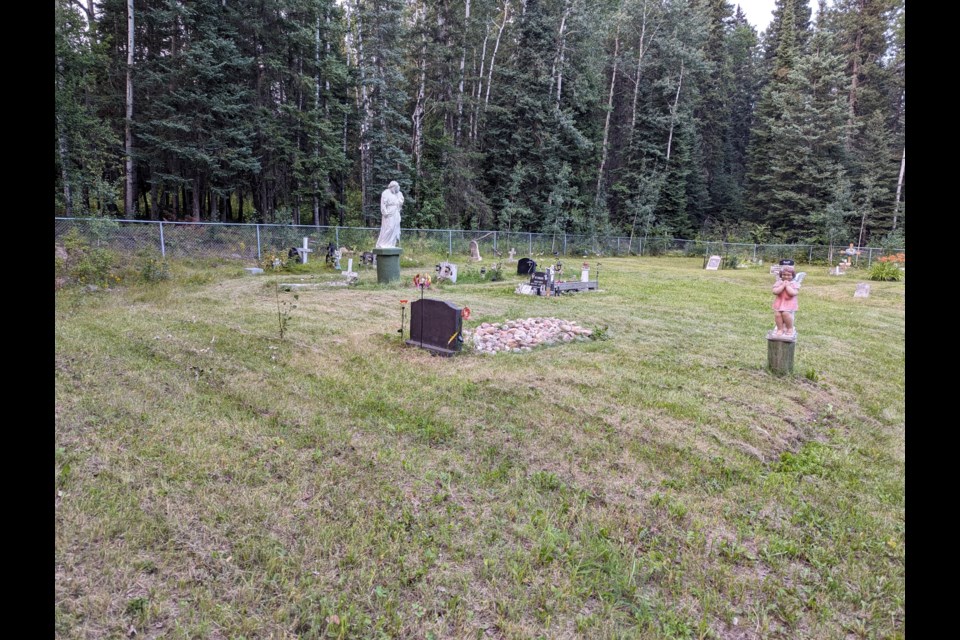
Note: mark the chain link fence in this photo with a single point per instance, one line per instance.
(251, 242)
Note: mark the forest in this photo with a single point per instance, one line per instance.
(654, 117)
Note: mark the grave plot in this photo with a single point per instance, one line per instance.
(548, 283)
(518, 336)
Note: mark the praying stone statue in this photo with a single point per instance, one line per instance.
(391, 201)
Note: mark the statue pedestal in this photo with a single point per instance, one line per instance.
(388, 264)
(780, 355)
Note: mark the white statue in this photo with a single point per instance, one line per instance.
(391, 200)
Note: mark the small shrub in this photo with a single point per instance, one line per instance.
(94, 266)
(885, 272)
(600, 333)
(153, 270)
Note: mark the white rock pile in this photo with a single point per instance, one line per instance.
(518, 336)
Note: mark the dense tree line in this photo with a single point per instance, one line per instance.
(666, 117)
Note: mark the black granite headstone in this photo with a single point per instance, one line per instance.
(538, 279)
(526, 266)
(436, 325)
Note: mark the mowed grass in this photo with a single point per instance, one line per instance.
(215, 481)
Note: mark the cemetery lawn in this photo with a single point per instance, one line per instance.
(215, 481)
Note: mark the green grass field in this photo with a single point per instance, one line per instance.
(216, 481)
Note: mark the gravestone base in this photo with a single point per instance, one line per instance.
(388, 264)
(780, 355)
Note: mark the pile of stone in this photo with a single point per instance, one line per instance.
(518, 336)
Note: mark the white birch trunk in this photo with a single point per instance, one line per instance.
(606, 124)
(673, 112)
(418, 108)
(128, 134)
(493, 57)
(475, 118)
(636, 79)
(556, 73)
(896, 206)
(463, 60)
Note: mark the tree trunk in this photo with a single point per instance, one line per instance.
(129, 194)
(496, 46)
(463, 60)
(366, 160)
(606, 125)
(556, 73)
(475, 116)
(196, 198)
(896, 206)
(636, 79)
(418, 109)
(316, 148)
(154, 198)
(673, 112)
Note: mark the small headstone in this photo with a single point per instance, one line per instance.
(447, 270)
(475, 251)
(350, 274)
(526, 266)
(775, 269)
(863, 290)
(714, 263)
(436, 325)
(585, 273)
(512, 253)
(304, 250)
(253, 270)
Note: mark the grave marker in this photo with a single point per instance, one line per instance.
(714, 263)
(447, 270)
(863, 290)
(475, 251)
(526, 266)
(436, 325)
(512, 253)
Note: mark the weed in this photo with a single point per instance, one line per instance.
(284, 309)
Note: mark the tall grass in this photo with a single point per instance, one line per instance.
(214, 480)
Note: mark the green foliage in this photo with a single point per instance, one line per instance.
(87, 264)
(885, 272)
(284, 310)
(153, 270)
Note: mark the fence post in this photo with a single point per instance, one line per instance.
(336, 236)
(618, 245)
(259, 257)
(564, 245)
(449, 244)
(163, 250)
(810, 255)
(639, 247)
(531, 243)
(494, 241)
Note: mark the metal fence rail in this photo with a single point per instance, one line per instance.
(251, 242)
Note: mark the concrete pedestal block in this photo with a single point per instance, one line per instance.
(388, 264)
